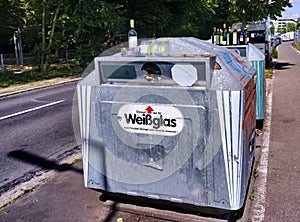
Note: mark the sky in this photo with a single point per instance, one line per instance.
(294, 12)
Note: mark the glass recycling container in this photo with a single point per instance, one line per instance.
(178, 129)
(257, 60)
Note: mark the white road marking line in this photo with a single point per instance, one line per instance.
(262, 169)
(30, 110)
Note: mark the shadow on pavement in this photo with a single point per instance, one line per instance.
(112, 213)
(283, 65)
(42, 162)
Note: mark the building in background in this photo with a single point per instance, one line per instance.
(284, 24)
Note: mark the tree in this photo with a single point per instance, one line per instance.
(43, 19)
(170, 17)
(255, 10)
(75, 23)
(196, 20)
(13, 16)
(272, 29)
(91, 26)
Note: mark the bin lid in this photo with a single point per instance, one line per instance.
(234, 71)
(225, 68)
(254, 54)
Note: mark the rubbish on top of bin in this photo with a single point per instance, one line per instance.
(179, 128)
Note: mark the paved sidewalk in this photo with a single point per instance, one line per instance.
(62, 197)
(283, 194)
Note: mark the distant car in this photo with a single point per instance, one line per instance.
(276, 40)
(279, 39)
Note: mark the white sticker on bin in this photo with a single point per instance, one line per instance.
(184, 74)
(151, 119)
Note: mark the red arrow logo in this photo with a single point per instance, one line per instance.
(149, 109)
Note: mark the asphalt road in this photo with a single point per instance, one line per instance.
(36, 129)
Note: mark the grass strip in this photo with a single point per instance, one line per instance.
(11, 78)
(25, 191)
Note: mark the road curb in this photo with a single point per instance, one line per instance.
(258, 189)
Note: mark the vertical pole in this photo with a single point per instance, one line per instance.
(20, 47)
(16, 49)
(2, 63)
(67, 58)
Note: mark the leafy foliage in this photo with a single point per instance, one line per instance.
(90, 26)
(256, 10)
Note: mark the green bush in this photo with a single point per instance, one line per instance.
(296, 46)
(274, 53)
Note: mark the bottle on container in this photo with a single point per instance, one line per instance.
(132, 36)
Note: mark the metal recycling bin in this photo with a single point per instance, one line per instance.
(257, 60)
(178, 129)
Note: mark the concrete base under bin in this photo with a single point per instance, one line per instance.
(172, 206)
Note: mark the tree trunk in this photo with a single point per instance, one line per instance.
(43, 37)
(52, 33)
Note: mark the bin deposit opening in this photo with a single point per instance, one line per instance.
(179, 73)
